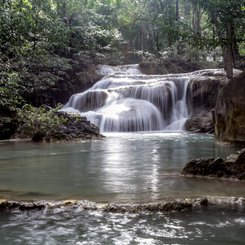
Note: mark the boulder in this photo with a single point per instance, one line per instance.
(76, 128)
(213, 167)
(232, 167)
(230, 112)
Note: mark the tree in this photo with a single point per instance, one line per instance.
(228, 19)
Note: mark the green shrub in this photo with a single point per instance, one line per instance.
(42, 122)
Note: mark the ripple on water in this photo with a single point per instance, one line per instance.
(70, 226)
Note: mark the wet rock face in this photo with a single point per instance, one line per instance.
(230, 112)
(201, 122)
(210, 105)
(204, 89)
(232, 167)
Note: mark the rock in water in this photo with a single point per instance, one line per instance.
(230, 112)
(213, 167)
(232, 167)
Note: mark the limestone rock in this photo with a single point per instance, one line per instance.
(203, 91)
(201, 122)
(230, 112)
(204, 88)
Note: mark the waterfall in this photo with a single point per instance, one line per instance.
(126, 100)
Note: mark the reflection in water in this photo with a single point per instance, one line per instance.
(155, 174)
(139, 167)
(116, 166)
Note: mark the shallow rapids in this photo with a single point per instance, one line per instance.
(71, 226)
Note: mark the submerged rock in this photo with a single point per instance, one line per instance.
(151, 207)
(178, 205)
(164, 207)
(232, 167)
(9, 205)
(230, 112)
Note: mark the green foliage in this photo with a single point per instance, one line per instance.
(28, 27)
(242, 48)
(38, 40)
(43, 77)
(10, 98)
(223, 13)
(41, 40)
(41, 121)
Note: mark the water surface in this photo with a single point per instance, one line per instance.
(60, 226)
(124, 167)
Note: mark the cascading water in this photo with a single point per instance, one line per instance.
(126, 100)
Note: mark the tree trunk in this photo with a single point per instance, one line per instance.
(177, 10)
(228, 61)
(197, 15)
(229, 51)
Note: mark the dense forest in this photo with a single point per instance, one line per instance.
(49, 48)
